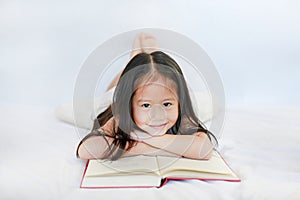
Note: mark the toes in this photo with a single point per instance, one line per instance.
(148, 42)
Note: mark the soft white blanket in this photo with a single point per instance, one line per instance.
(260, 144)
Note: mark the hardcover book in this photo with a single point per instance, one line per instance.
(153, 171)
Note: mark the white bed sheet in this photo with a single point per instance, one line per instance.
(38, 160)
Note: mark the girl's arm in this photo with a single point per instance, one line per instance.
(96, 147)
(196, 146)
(93, 147)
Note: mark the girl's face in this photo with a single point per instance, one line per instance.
(155, 106)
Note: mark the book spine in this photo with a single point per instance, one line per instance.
(163, 182)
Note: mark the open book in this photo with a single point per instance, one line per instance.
(147, 171)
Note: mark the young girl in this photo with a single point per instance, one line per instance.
(151, 112)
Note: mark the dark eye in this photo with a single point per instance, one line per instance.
(146, 105)
(168, 104)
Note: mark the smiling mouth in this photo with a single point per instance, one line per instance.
(159, 126)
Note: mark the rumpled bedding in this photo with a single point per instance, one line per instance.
(261, 144)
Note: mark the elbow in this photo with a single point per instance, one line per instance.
(202, 154)
(206, 150)
(83, 153)
(203, 148)
(205, 155)
(92, 148)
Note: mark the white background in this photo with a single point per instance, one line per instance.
(255, 45)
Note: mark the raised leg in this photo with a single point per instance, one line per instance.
(143, 43)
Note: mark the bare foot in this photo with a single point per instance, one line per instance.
(144, 43)
(136, 46)
(148, 43)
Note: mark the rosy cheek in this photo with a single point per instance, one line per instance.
(139, 118)
(173, 115)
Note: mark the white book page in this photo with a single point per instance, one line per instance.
(215, 165)
(199, 175)
(123, 166)
(146, 180)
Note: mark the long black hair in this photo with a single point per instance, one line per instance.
(141, 67)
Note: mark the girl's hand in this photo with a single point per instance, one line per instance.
(200, 134)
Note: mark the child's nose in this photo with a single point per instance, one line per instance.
(157, 113)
